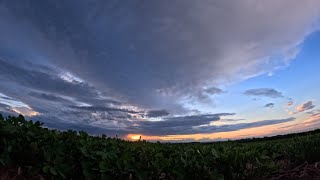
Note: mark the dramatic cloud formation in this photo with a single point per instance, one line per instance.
(264, 92)
(116, 66)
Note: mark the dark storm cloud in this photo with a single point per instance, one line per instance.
(264, 92)
(269, 105)
(47, 82)
(183, 121)
(56, 56)
(49, 97)
(106, 109)
(139, 48)
(196, 125)
(176, 125)
(157, 113)
(4, 107)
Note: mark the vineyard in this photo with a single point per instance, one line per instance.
(29, 151)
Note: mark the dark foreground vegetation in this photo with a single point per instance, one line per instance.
(28, 151)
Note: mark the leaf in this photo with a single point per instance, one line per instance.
(214, 153)
(45, 169)
(103, 166)
(53, 171)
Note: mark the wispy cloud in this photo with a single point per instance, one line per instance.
(269, 105)
(264, 92)
(303, 107)
(290, 103)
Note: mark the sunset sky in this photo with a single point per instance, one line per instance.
(170, 70)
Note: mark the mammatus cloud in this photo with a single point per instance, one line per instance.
(264, 92)
(269, 105)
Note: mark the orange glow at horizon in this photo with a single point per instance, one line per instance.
(134, 136)
(252, 132)
(268, 130)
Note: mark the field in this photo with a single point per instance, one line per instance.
(28, 151)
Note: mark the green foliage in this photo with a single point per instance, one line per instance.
(76, 155)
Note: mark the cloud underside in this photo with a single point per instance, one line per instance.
(169, 126)
(115, 65)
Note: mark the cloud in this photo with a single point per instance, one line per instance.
(157, 113)
(11, 102)
(48, 97)
(4, 108)
(314, 115)
(269, 105)
(213, 90)
(25, 111)
(314, 111)
(264, 92)
(196, 125)
(234, 127)
(310, 123)
(135, 53)
(101, 108)
(105, 64)
(290, 103)
(43, 81)
(305, 106)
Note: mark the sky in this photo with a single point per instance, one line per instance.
(167, 70)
